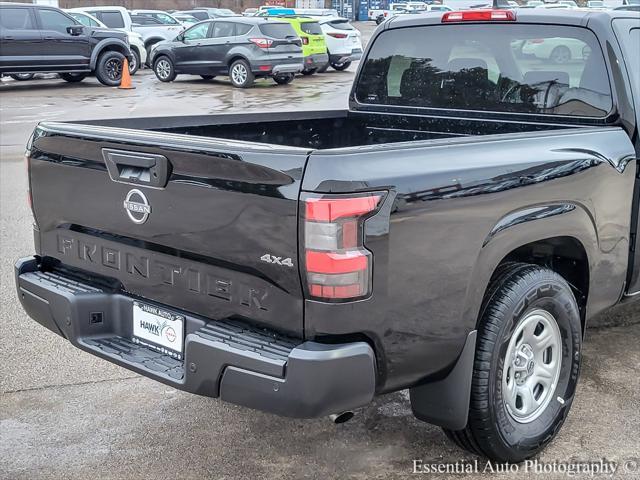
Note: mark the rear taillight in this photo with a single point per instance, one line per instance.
(537, 41)
(337, 264)
(337, 35)
(262, 42)
(479, 16)
(305, 40)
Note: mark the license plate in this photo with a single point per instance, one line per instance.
(158, 329)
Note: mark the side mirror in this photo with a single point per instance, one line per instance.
(75, 30)
(180, 38)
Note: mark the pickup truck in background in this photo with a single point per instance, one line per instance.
(452, 232)
(119, 18)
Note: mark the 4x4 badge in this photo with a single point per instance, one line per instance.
(137, 206)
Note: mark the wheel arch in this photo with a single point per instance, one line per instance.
(233, 56)
(561, 237)
(152, 41)
(106, 45)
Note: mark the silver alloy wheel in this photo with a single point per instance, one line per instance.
(532, 366)
(239, 74)
(163, 69)
(133, 63)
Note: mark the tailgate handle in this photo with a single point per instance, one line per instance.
(137, 168)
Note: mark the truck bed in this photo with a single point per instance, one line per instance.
(329, 129)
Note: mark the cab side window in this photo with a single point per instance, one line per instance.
(53, 20)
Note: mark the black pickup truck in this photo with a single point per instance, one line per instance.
(452, 232)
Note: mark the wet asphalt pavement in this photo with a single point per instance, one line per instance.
(67, 414)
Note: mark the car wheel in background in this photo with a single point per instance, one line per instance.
(560, 55)
(109, 68)
(323, 68)
(164, 69)
(73, 77)
(208, 77)
(527, 364)
(341, 66)
(284, 78)
(240, 74)
(134, 64)
(22, 77)
(311, 71)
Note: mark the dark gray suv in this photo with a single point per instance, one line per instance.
(244, 48)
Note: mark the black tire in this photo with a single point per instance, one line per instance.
(73, 77)
(323, 68)
(164, 69)
(22, 77)
(311, 71)
(519, 292)
(240, 74)
(284, 78)
(560, 55)
(134, 64)
(109, 68)
(208, 77)
(341, 66)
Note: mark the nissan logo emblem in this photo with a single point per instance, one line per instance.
(137, 206)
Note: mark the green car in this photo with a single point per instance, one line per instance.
(314, 48)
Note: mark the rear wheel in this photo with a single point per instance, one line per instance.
(73, 77)
(311, 71)
(164, 69)
(22, 77)
(526, 367)
(208, 77)
(341, 66)
(134, 64)
(240, 74)
(109, 68)
(284, 78)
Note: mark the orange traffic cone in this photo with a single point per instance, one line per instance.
(125, 81)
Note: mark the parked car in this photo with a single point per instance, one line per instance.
(428, 8)
(249, 12)
(136, 45)
(557, 50)
(344, 44)
(119, 18)
(374, 13)
(39, 39)
(217, 12)
(452, 233)
(597, 4)
(161, 16)
(244, 48)
(314, 46)
(185, 19)
(629, 8)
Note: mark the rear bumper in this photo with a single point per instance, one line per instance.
(225, 359)
(346, 57)
(315, 61)
(277, 66)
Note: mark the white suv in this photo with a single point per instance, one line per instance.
(343, 41)
(119, 18)
(138, 50)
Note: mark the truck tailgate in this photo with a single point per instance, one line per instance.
(203, 225)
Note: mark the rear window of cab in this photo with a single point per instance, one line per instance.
(535, 69)
(278, 30)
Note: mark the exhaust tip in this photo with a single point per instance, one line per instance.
(343, 417)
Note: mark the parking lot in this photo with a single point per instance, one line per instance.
(67, 414)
